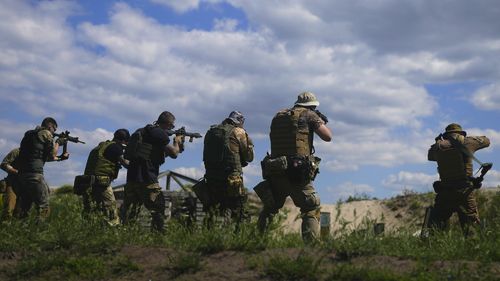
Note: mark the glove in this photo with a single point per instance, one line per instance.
(477, 183)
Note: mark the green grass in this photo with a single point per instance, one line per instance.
(68, 247)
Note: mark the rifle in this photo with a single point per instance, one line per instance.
(182, 132)
(322, 116)
(65, 137)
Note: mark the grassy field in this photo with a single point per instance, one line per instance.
(67, 247)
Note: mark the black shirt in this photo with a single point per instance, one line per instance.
(146, 171)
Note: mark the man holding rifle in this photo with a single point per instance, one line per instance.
(38, 147)
(454, 151)
(103, 165)
(146, 151)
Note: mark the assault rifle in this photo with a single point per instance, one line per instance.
(63, 139)
(322, 116)
(182, 132)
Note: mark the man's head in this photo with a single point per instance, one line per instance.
(166, 120)
(454, 128)
(50, 124)
(236, 117)
(121, 136)
(307, 99)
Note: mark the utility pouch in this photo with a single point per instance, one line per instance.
(438, 186)
(299, 169)
(273, 166)
(3, 186)
(314, 162)
(235, 186)
(102, 181)
(82, 184)
(263, 190)
(201, 190)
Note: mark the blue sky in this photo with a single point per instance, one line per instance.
(390, 75)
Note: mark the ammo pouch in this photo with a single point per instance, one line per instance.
(82, 184)
(3, 186)
(102, 181)
(273, 166)
(438, 186)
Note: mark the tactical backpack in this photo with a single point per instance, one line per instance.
(451, 165)
(219, 160)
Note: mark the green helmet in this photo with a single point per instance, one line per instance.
(454, 128)
(307, 99)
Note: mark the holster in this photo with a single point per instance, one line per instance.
(201, 190)
(263, 190)
(82, 184)
(299, 169)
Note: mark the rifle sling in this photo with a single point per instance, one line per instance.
(464, 149)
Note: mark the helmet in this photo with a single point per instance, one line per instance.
(237, 117)
(307, 99)
(454, 128)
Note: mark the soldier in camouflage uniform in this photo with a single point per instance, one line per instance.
(455, 190)
(37, 147)
(146, 151)
(227, 149)
(103, 164)
(291, 167)
(10, 166)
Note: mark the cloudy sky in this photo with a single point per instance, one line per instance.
(389, 74)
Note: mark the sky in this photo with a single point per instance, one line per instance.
(389, 74)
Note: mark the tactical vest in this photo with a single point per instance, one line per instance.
(451, 165)
(98, 165)
(140, 147)
(286, 137)
(33, 153)
(220, 161)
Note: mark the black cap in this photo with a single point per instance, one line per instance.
(121, 135)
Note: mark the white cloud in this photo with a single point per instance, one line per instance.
(226, 25)
(410, 181)
(192, 172)
(180, 6)
(487, 97)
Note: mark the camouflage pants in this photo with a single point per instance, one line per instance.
(33, 189)
(9, 200)
(448, 201)
(228, 205)
(101, 199)
(147, 194)
(303, 195)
